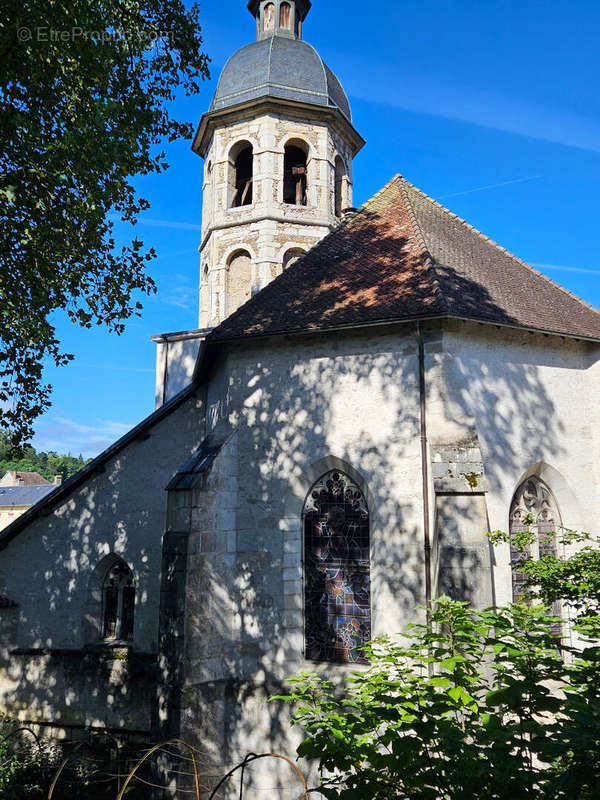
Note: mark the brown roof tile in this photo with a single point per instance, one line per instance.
(403, 256)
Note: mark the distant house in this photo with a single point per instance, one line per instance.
(21, 490)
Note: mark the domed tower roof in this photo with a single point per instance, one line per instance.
(279, 65)
(278, 71)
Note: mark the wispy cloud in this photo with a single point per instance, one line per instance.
(68, 436)
(490, 186)
(184, 297)
(425, 95)
(558, 268)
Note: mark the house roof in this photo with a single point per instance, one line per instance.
(23, 496)
(26, 478)
(402, 257)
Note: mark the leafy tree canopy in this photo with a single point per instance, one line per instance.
(85, 88)
(47, 464)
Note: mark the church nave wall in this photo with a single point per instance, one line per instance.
(66, 660)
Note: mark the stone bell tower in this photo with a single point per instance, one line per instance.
(278, 144)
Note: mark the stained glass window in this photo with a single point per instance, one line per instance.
(119, 603)
(533, 508)
(337, 590)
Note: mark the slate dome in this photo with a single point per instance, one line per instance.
(279, 67)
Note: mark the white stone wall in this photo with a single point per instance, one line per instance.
(176, 357)
(268, 228)
(531, 400)
(47, 570)
(499, 403)
(297, 410)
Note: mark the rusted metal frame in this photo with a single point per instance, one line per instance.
(250, 759)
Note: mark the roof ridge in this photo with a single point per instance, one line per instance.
(423, 242)
(499, 247)
(397, 177)
(344, 223)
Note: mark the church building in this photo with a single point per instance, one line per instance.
(368, 393)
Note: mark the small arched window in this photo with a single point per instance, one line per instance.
(285, 16)
(340, 175)
(292, 256)
(295, 174)
(118, 603)
(337, 590)
(270, 17)
(533, 509)
(239, 280)
(241, 170)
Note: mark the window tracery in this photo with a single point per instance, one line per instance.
(533, 509)
(337, 590)
(118, 603)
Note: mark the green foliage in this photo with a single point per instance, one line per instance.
(85, 93)
(26, 765)
(574, 579)
(484, 705)
(29, 460)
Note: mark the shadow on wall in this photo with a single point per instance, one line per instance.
(293, 403)
(59, 663)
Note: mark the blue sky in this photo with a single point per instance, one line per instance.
(492, 108)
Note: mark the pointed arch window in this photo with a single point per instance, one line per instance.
(337, 588)
(118, 603)
(533, 508)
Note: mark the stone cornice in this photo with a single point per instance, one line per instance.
(306, 112)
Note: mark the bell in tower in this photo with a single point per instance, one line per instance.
(278, 145)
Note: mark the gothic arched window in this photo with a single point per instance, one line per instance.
(295, 174)
(118, 603)
(285, 16)
(337, 589)
(533, 509)
(241, 175)
(270, 17)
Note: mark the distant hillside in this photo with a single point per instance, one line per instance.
(47, 464)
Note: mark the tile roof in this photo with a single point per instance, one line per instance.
(26, 478)
(21, 496)
(403, 256)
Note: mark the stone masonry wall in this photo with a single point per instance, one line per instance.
(498, 403)
(53, 672)
(268, 228)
